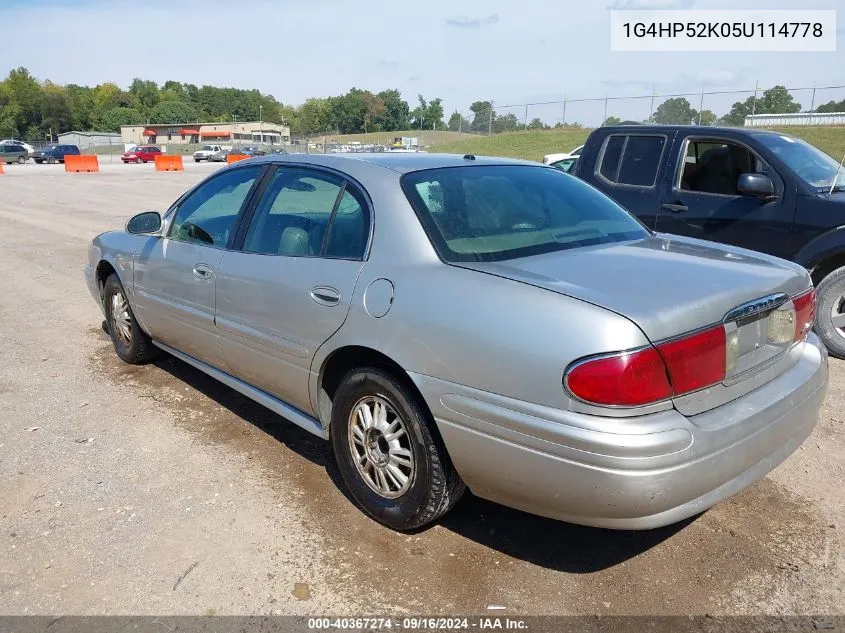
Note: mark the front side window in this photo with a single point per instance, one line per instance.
(809, 163)
(306, 213)
(714, 166)
(632, 159)
(207, 216)
(494, 213)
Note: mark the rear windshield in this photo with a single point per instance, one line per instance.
(494, 213)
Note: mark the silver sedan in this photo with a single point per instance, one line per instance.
(450, 321)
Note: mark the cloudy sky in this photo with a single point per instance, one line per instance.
(460, 50)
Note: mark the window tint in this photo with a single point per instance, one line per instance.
(349, 228)
(494, 213)
(208, 215)
(632, 159)
(641, 160)
(610, 157)
(294, 213)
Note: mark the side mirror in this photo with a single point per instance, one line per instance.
(146, 222)
(757, 185)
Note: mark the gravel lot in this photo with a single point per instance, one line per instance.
(116, 480)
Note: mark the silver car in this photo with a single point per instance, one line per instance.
(449, 321)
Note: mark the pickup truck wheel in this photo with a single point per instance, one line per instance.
(131, 343)
(394, 465)
(196, 160)
(830, 312)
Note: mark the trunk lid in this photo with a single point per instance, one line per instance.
(670, 286)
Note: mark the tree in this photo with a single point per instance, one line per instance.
(482, 112)
(314, 116)
(111, 120)
(775, 100)
(106, 96)
(537, 124)
(675, 111)
(172, 112)
(832, 106)
(56, 114)
(458, 123)
(505, 123)
(396, 111)
(144, 93)
(24, 94)
(612, 120)
(708, 117)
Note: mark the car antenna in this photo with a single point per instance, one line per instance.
(836, 177)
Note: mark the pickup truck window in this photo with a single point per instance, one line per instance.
(495, 213)
(714, 166)
(632, 160)
(809, 163)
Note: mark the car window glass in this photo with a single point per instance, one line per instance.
(208, 215)
(348, 233)
(715, 167)
(640, 160)
(293, 214)
(610, 157)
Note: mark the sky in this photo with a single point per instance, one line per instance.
(511, 52)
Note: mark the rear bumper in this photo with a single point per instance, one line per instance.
(626, 473)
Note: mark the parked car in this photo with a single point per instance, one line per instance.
(507, 328)
(749, 187)
(220, 155)
(548, 159)
(566, 165)
(55, 153)
(252, 151)
(10, 141)
(141, 154)
(206, 152)
(12, 154)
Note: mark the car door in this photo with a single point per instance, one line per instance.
(174, 275)
(630, 168)
(701, 199)
(287, 287)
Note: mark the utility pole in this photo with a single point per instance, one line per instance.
(651, 108)
(490, 120)
(700, 106)
(526, 117)
(563, 121)
(754, 101)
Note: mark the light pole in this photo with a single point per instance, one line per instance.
(261, 123)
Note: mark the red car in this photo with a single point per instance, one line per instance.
(141, 154)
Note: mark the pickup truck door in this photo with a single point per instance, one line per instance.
(700, 198)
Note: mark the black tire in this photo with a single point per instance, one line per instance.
(196, 160)
(21, 160)
(434, 484)
(831, 295)
(139, 349)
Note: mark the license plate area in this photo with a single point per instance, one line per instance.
(758, 338)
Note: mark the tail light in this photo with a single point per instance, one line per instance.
(805, 313)
(623, 380)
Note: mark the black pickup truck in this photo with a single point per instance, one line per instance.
(752, 188)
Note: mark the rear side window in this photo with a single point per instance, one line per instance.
(632, 160)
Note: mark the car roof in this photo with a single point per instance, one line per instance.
(698, 129)
(398, 162)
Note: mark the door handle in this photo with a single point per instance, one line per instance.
(203, 271)
(325, 296)
(676, 207)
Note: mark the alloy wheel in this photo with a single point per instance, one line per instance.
(120, 318)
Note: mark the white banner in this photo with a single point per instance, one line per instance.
(723, 31)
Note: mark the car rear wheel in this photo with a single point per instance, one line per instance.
(130, 342)
(830, 312)
(21, 160)
(389, 453)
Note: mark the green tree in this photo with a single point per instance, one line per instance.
(314, 116)
(83, 111)
(458, 123)
(111, 120)
(775, 100)
(675, 111)
(106, 96)
(395, 113)
(537, 124)
(56, 114)
(172, 112)
(832, 106)
(24, 93)
(144, 93)
(481, 114)
(505, 123)
(612, 120)
(708, 117)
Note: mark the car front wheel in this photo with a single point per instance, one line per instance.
(830, 312)
(389, 453)
(130, 342)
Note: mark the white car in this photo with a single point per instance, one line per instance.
(553, 158)
(9, 141)
(207, 152)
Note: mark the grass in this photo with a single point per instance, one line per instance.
(536, 143)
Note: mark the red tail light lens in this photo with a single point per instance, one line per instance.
(628, 380)
(805, 313)
(652, 374)
(696, 361)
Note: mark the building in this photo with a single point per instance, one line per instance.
(238, 132)
(797, 118)
(84, 140)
